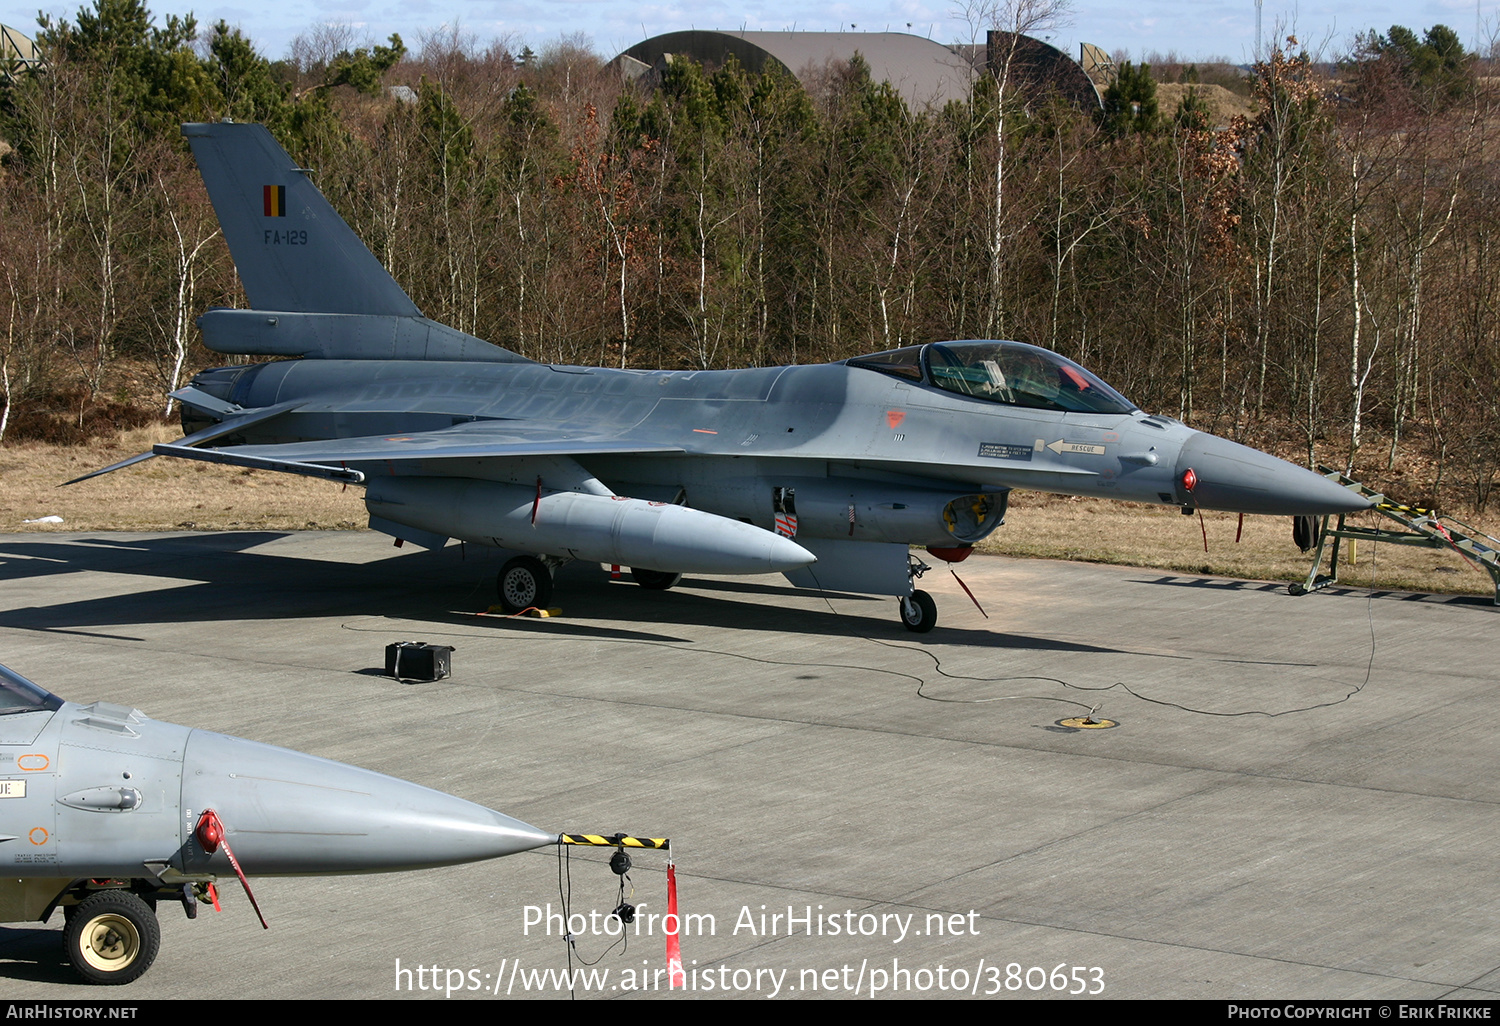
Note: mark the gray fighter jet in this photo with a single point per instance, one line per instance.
(104, 813)
(830, 474)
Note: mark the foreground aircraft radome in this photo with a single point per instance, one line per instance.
(106, 813)
(828, 473)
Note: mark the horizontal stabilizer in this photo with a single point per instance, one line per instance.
(209, 434)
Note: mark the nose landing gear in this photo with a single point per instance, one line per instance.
(918, 610)
(112, 937)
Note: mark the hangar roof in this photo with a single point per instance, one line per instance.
(922, 71)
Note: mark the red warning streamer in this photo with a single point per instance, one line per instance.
(675, 975)
(967, 592)
(211, 833)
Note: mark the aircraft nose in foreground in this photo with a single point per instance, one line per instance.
(288, 812)
(1234, 477)
(122, 812)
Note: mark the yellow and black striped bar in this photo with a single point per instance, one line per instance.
(1401, 508)
(616, 841)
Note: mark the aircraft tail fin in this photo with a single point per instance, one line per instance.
(292, 249)
(299, 259)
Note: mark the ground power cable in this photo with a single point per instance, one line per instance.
(922, 682)
(937, 665)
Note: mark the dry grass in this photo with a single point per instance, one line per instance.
(175, 495)
(161, 494)
(1101, 531)
(1223, 106)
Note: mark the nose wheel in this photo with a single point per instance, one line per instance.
(919, 612)
(112, 937)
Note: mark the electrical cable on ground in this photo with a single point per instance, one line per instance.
(922, 682)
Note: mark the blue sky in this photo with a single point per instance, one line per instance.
(1192, 28)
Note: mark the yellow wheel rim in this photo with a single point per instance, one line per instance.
(110, 942)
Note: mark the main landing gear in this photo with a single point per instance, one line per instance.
(524, 582)
(654, 580)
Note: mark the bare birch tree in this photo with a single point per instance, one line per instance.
(1005, 23)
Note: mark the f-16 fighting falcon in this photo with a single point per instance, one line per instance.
(104, 813)
(829, 474)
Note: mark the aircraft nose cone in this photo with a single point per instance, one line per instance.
(287, 812)
(1239, 479)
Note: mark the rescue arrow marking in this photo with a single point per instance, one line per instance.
(1087, 449)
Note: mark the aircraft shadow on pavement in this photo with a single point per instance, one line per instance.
(1230, 584)
(585, 593)
(223, 579)
(36, 955)
(40, 555)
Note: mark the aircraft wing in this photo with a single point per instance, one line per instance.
(487, 439)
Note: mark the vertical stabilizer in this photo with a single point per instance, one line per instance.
(293, 251)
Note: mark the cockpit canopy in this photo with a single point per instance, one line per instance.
(17, 694)
(1012, 373)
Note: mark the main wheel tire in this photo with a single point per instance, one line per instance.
(654, 580)
(113, 937)
(524, 582)
(919, 612)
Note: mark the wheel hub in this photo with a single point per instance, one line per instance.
(520, 588)
(112, 943)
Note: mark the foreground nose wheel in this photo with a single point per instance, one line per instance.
(919, 612)
(112, 937)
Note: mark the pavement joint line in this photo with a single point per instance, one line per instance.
(1061, 928)
(1111, 823)
(1223, 951)
(1473, 984)
(1004, 746)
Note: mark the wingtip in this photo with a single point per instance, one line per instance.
(109, 469)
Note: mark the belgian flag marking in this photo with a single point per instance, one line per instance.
(275, 200)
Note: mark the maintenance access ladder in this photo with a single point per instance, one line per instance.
(1424, 527)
